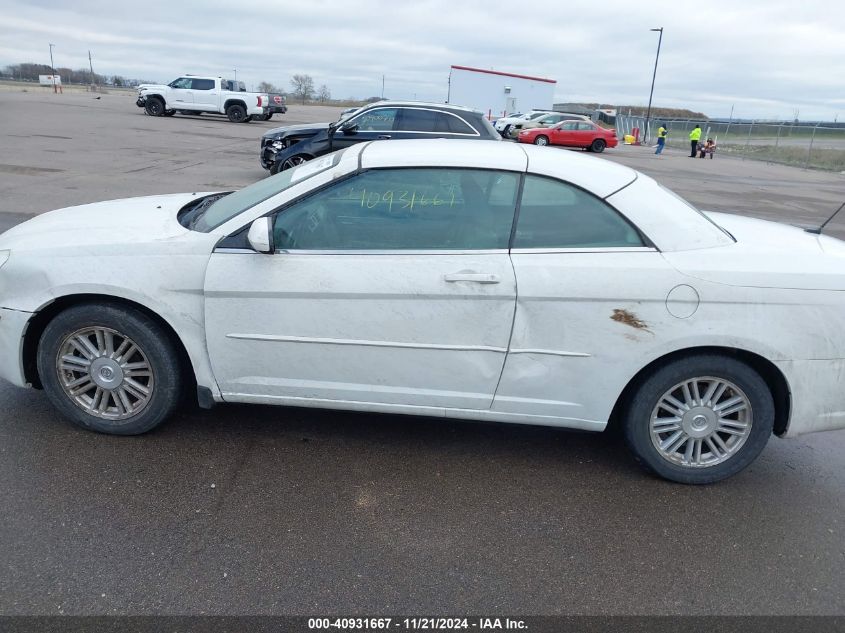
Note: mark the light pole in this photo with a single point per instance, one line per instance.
(52, 68)
(653, 76)
(235, 70)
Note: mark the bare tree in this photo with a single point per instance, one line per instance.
(323, 93)
(303, 87)
(266, 86)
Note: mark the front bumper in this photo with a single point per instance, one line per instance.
(269, 149)
(13, 324)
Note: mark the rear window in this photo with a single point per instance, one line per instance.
(454, 125)
(203, 84)
(418, 120)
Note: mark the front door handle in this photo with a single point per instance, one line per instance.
(478, 278)
(383, 137)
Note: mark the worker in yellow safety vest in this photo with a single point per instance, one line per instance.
(694, 136)
(661, 139)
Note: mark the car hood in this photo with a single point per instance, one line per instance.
(306, 129)
(766, 255)
(145, 87)
(117, 224)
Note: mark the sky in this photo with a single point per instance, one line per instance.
(763, 58)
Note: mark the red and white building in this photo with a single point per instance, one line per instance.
(497, 93)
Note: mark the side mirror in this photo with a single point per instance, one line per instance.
(349, 129)
(260, 236)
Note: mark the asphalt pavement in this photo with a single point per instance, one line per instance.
(263, 510)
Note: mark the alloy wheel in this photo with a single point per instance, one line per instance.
(701, 422)
(105, 373)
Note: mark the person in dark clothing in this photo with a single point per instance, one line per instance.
(694, 137)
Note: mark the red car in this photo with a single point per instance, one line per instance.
(572, 134)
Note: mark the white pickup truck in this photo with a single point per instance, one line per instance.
(195, 95)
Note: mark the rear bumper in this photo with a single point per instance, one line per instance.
(13, 324)
(818, 401)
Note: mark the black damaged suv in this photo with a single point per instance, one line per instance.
(285, 147)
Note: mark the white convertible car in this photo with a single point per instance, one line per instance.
(486, 281)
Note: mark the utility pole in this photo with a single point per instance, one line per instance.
(382, 86)
(235, 70)
(91, 66)
(653, 77)
(52, 69)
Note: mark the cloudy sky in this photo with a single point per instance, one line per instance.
(766, 58)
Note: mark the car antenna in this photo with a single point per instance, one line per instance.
(819, 230)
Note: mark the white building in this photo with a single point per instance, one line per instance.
(497, 93)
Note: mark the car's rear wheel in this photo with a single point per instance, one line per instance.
(541, 140)
(109, 368)
(236, 113)
(598, 145)
(154, 106)
(247, 119)
(700, 419)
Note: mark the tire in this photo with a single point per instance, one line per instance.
(598, 145)
(236, 113)
(248, 119)
(289, 163)
(154, 106)
(169, 113)
(268, 116)
(155, 365)
(541, 140)
(657, 444)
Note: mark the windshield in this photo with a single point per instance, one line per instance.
(227, 207)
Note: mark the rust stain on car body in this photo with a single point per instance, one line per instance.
(629, 318)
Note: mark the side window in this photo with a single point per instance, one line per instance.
(554, 214)
(404, 209)
(569, 125)
(377, 120)
(451, 124)
(586, 127)
(416, 120)
(182, 82)
(202, 84)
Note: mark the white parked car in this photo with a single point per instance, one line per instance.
(196, 95)
(458, 279)
(504, 124)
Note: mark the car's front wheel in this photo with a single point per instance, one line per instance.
(700, 419)
(541, 140)
(154, 106)
(289, 163)
(109, 368)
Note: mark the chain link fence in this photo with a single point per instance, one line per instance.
(816, 146)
